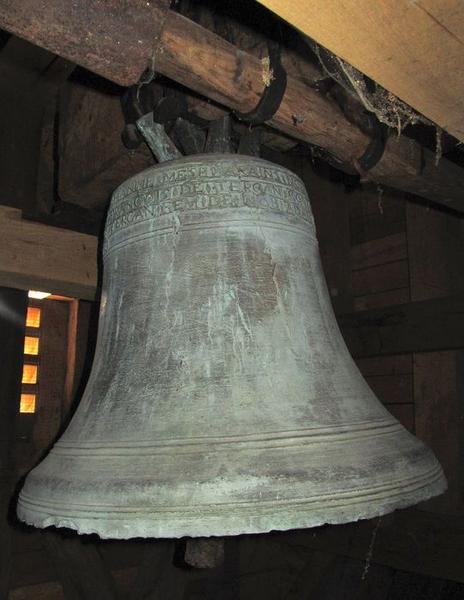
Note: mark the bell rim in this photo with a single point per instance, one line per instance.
(287, 516)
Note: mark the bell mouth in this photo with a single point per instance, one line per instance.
(321, 487)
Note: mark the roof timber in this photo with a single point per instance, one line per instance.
(204, 62)
(414, 49)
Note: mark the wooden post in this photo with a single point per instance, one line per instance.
(13, 305)
(436, 252)
(69, 384)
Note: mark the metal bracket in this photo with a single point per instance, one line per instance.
(272, 95)
(157, 139)
(376, 147)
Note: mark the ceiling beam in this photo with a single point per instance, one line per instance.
(50, 259)
(414, 49)
(209, 65)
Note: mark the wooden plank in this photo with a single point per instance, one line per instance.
(236, 79)
(436, 249)
(380, 251)
(71, 349)
(36, 256)
(98, 36)
(369, 201)
(436, 252)
(93, 159)
(392, 389)
(398, 364)
(404, 413)
(12, 327)
(429, 325)
(373, 227)
(417, 57)
(85, 346)
(379, 299)
(389, 276)
(330, 205)
(376, 213)
(52, 373)
(231, 77)
(439, 414)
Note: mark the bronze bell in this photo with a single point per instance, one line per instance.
(222, 398)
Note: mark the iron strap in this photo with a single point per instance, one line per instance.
(272, 95)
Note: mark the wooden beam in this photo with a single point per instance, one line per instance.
(418, 57)
(13, 305)
(227, 75)
(114, 38)
(207, 64)
(36, 256)
(430, 325)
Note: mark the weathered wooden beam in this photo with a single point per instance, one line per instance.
(37, 256)
(222, 72)
(418, 56)
(114, 38)
(429, 325)
(199, 59)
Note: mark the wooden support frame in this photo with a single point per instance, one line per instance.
(51, 259)
(429, 325)
(418, 56)
(204, 62)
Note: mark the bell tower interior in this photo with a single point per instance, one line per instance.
(231, 299)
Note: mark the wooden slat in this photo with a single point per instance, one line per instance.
(418, 57)
(404, 413)
(385, 365)
(436, 252)
(436, 324)
(379, 299)
(330, 208)
(378, 252)
(374, 215)
(52, 373)
(392, 389)
(389, 276)
(36, 256)
(373, 227)
(93, 159)
(438, 387)
(370, 201)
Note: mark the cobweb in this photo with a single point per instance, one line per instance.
(388, 109)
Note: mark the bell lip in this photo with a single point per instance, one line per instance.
(203, 156)
(286, 517)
